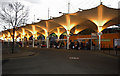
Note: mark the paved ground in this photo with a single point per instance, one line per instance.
(61, 61)
(17, 55)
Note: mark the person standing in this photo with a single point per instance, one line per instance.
(78, 45)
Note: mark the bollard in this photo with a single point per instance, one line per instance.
(116, 51)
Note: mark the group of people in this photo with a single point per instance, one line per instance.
(80, 45)
(63, 44)
(72, 45)
(57, 44)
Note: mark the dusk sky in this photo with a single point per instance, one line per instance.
(39, 8)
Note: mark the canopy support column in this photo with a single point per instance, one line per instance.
(99, 42)
(22, 42)
(99, 34)
(15, 41)
(68, 36)
(47, 42)
(28, 42)
(58, 37)
(33, 42)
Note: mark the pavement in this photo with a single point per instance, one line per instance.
(62, 61)
(111, 52)
(17, 55)
(18, 52)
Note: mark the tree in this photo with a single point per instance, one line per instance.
(14, 14)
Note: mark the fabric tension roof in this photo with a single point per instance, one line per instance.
(97, 18)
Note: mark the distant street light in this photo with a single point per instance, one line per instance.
(63, 13)
(38, 19)
(80, 9)
(4, 28)
(51, 17)
(60, 12)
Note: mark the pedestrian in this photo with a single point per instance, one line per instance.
(78, 45)
(81, 45)
(20, 43)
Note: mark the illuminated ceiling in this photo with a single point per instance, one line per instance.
(97, 18)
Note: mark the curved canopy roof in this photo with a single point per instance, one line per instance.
(68, 21)
(101, 16)
(58, 31)
(47, 26)
(97, 18)
(78, 29)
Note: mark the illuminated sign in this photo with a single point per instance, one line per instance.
(104, 40)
